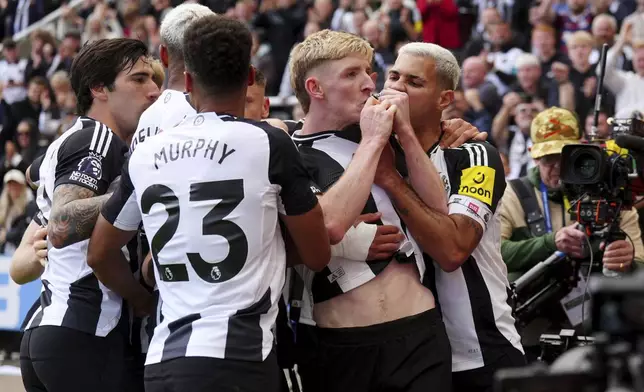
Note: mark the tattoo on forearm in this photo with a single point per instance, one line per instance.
(476, 226)
(74, 213)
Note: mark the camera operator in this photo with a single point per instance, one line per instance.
(524, 245)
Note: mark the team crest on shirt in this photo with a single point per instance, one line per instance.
(215, 273)
(198, 121)
(91, 165)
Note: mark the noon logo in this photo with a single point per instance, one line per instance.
(478, 182)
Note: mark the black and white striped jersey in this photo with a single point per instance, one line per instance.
(326, 156)
(209, 192)
(165, 113)
(474, 298)
(88, 155)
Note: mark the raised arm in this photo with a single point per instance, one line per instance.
(345, 200)
(422, 174)
(476, 186)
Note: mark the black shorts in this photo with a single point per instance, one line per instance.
(59, 359)
(482, 379)
(201, 374)
(411, 354)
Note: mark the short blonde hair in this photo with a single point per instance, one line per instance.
(317, 49)
(448, 71)
(159, 73)
(580, 37)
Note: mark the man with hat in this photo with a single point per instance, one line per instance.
(526, 242)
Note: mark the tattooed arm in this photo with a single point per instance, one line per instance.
(448, 239)
(73, 214)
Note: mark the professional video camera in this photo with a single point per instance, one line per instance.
(601, 179)
(612, 361)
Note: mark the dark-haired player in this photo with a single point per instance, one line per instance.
(72, 342)
(212, 191)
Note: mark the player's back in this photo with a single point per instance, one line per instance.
(210, 212)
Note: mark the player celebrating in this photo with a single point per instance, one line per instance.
(72, 343)
(211, 191)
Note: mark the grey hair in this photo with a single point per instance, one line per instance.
(447, 68)
(527, 59)
(176, 22)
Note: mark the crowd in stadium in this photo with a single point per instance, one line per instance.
(524, 74)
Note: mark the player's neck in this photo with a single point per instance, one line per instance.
(176, 81)
(320, 121)
(105, 117)
(233, 107)
(429, 134)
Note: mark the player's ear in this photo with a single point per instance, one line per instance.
(251, 76)
(163, 54)
(266, 107)
(313, 88)
(188, 81)
(446, 98)
(99, 93)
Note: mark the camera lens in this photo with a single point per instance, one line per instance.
(586, 165)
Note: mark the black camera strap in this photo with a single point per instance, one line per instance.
(528, 199)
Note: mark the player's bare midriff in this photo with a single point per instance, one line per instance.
(394, 294)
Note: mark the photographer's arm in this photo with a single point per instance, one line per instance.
(519, 250)
(630, 225)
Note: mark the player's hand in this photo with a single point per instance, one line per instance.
(386, 170)
(377, 120)
(144, 306)
(618, 255)
(402, 121)
(40, 245)
(386, 243)
(457, 131)
(569, 240)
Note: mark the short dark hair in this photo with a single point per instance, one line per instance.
(39, 80)
(8, 43)
(99, 63)
(217, 53)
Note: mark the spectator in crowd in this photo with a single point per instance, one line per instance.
(383, 57)
(14, 199)
(603, 130)
(475, 78)
(469, 107)
(627, 86)
(514, 139)
(604, 30)
(30, 107)
(12, 73)
(27, 141)
(574, 15)
(38, 64)
(440, 22)
(544, 47)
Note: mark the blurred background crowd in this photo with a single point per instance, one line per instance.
(519, 57)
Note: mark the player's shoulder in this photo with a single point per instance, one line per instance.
(90, 135)
(474, 153)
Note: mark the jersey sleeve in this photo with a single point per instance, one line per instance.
(91, 158)
(287, 170)
(34, 170)
(478, 182)
(121, 209)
